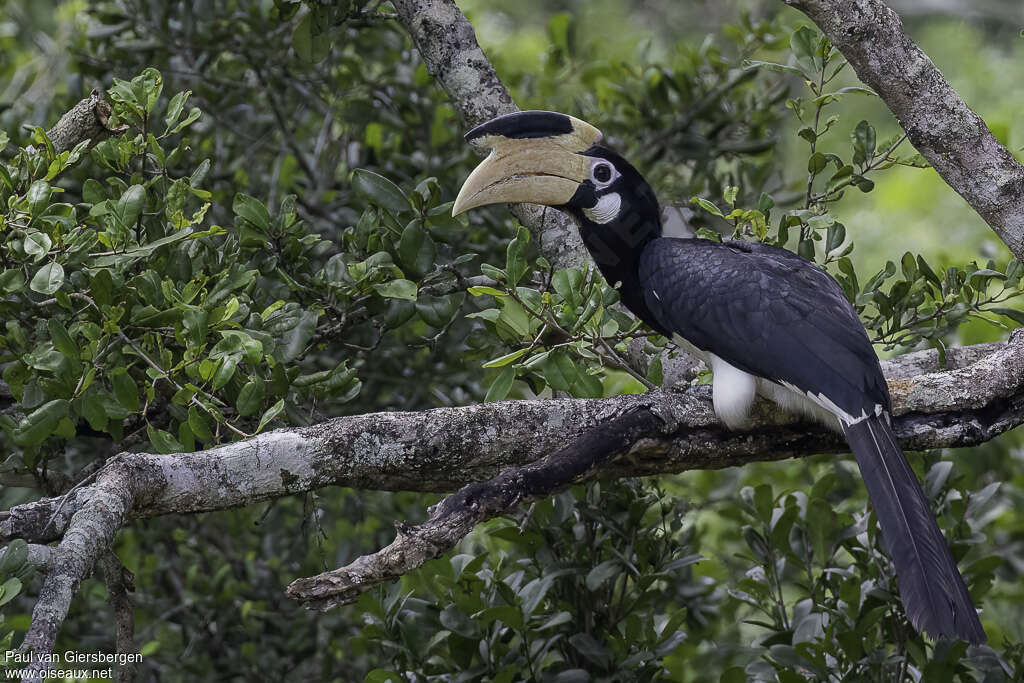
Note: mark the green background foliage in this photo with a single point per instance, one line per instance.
(270, 243)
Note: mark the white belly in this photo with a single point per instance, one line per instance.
(733, 392)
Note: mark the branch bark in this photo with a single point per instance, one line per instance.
(447, 448)
(87, 120)
(948, 133)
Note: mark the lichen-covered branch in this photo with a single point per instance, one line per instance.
(444, 449)
(87, 120)
(940, 125)
(655, 431)
(102, 508)
(456, 516)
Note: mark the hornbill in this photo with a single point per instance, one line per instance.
(764, 319)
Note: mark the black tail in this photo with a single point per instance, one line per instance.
(933, 592)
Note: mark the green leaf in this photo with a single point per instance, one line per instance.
(199, 424)
(437, 311)
(816, 163)
(597, 576)
(379, 190)
(771, 66)
(1014, 314)
(416, 249)
(193, 114)
(130, 205)
(38, 197)
(47, 279)
(130, 255)
(506, 359)
(835, 237)
(10, 590)
(563, 374)
(863, 137)
(310, 40)
(224, 372)
(484, 290)
(37, 244)
(15, 556)
(252, 210)
(126, 391)
(35, 427)
(593, 651)
(514, 315)
(515, 257)
(804, 44)
(707, 206)
(251, 397)
(501, 385)
(11, 281)
(162, 441)
(176, 106)
(62, 341)
(272, 412)
(397, 289)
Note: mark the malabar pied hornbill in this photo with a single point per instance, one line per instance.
(766, 321)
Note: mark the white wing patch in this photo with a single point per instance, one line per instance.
(606, 209)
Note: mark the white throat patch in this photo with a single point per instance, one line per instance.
(606, 209)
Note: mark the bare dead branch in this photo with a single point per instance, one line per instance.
(456, 516)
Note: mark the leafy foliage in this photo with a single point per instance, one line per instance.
(270, 243)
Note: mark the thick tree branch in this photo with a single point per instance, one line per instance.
(635, 432)
(951, 136)
(448, 448)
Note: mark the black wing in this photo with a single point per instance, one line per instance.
(767, 311)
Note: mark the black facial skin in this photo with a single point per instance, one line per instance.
(616, 245)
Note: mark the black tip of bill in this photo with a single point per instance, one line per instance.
(524, 124)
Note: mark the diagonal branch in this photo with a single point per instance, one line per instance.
(456, 516)
(448, 45)
(948, 133)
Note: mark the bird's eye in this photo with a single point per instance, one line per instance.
(602, 173)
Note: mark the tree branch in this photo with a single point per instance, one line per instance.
(448, 448)
(120, 582)
(448, 45)
(87, 120)
(951, 136)
(635, 432)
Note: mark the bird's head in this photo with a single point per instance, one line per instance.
(544, 157)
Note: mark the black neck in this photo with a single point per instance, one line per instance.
(616, 246)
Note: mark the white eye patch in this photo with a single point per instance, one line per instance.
(606, 209)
